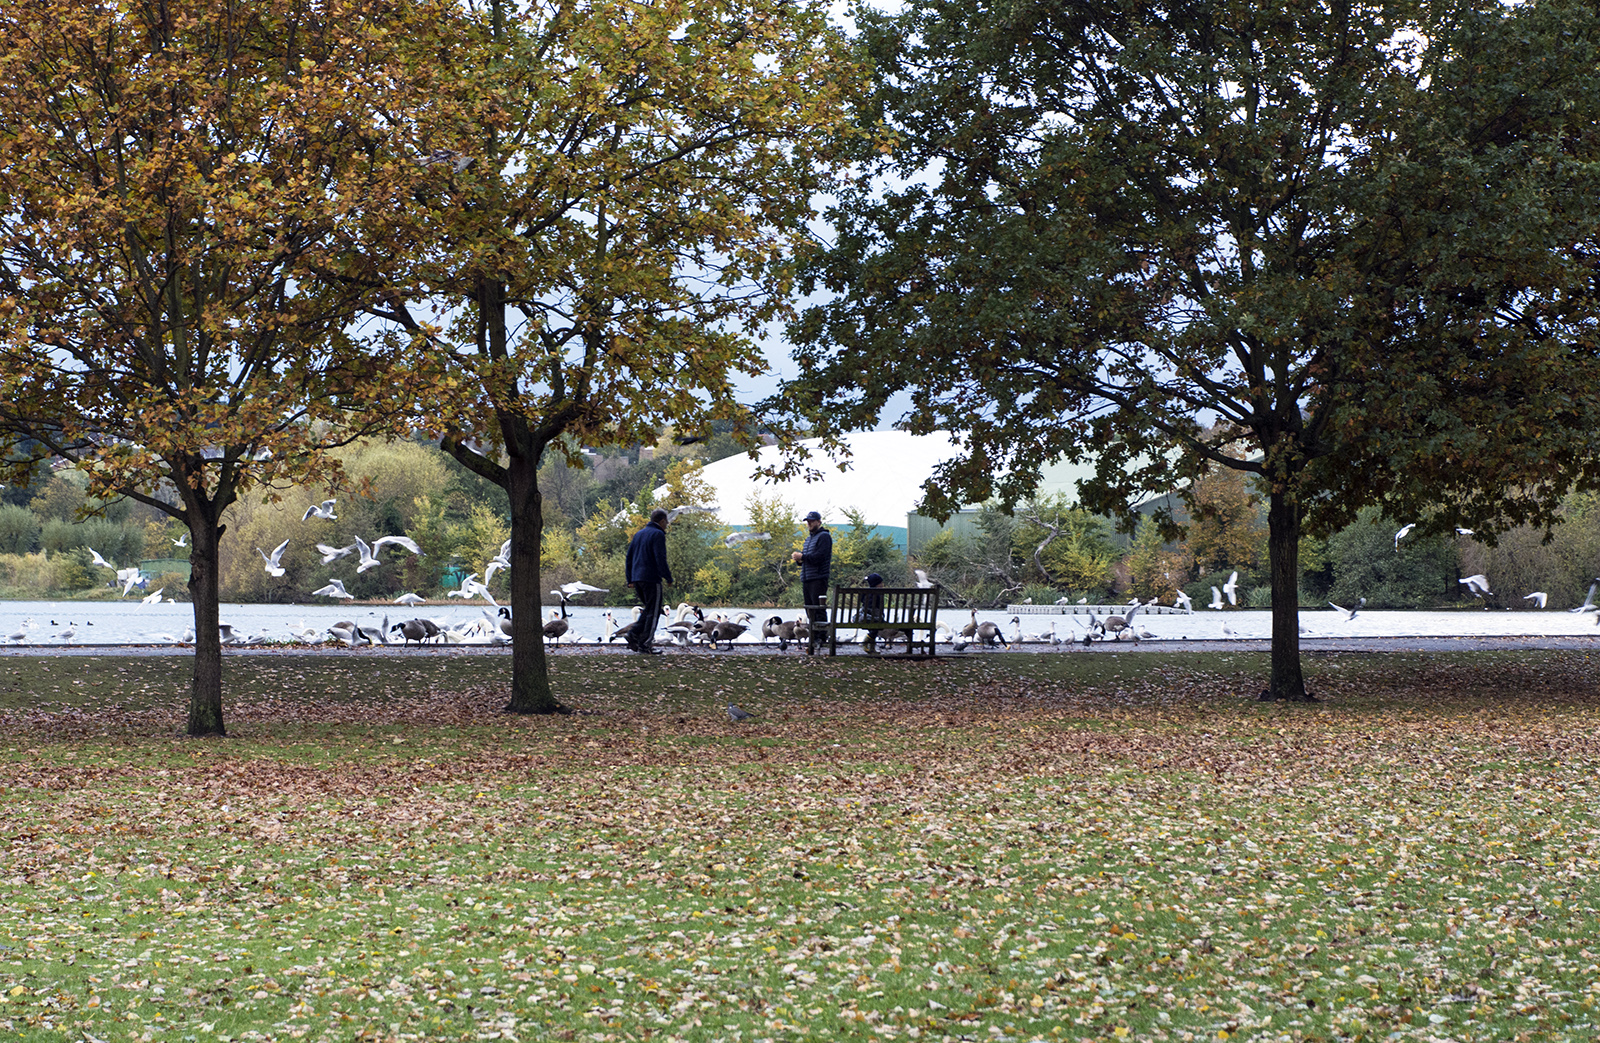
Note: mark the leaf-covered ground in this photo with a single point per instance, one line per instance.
(1005, 847)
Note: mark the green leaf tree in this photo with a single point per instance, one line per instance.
(191, 208)
(627, 182)
(1347, 250)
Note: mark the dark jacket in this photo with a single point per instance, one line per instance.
(816, 556)
(647, 556)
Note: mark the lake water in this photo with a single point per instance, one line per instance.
(133, 623)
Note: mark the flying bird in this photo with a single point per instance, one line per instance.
(181, 541)
(1478, 584)
(1216, 598)
(924, 582)
(689, 508)
(1349, 613)
(130, 577)
(95, 558)
(576, 587)
(736, 715)
(152, 599)
(1231, 588)
(369, 554)
(1181, 600)
(323, 510)
(1588, 602)
(272, 560)
(335, 553)
(409, 599)
(1538, 597)
(471, 588)
(735, 538)
(1402, 535)
(334, 589)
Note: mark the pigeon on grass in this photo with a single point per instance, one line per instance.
(736, 715)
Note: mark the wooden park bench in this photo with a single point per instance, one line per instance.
(912, 611)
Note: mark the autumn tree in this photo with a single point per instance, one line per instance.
(190, 198)
(628, 179)
(1347, 250)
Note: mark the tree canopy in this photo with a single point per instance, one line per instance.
(627, 181)
(192, 205)
(1346, 249)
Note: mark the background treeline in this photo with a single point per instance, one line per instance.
(1042, 551)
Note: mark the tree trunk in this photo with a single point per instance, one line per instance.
(1283, 554)
(205, 693)
(530, 673)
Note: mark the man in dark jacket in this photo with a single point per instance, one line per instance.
(647, 573)
(816, 563)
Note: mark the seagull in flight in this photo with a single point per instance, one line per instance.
(498, 562)
(323, 510)
(576, 587)
(152, 599)
(471, 588)
(689, 508)
(409, 599)
(1539, 597)
(1231, 588)
(369, 554)
(736, 538)
(1588, 602)
(335, 553)
(1181, 599)
(131, 577)
(1216, 598)
(95, 558)
(181, 541)
(1349, 613)
(1478, 584)
(334, 589)
(923, 582)
(1402, 535)
(272, 560)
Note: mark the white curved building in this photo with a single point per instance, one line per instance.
(882, 480)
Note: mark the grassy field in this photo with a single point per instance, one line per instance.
(1005, 847)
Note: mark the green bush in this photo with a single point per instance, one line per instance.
(19, 530)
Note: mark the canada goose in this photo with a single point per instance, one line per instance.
(796, 630)
(728, 630)
(989, 634)
(411, 630)
(625, 631)
(323, 511)
(1117, 624)
(555, 626)
(272, 560)
(334, 589)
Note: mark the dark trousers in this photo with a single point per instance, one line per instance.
(815, 592)
(644, 629)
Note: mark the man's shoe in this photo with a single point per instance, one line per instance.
(649, 651)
